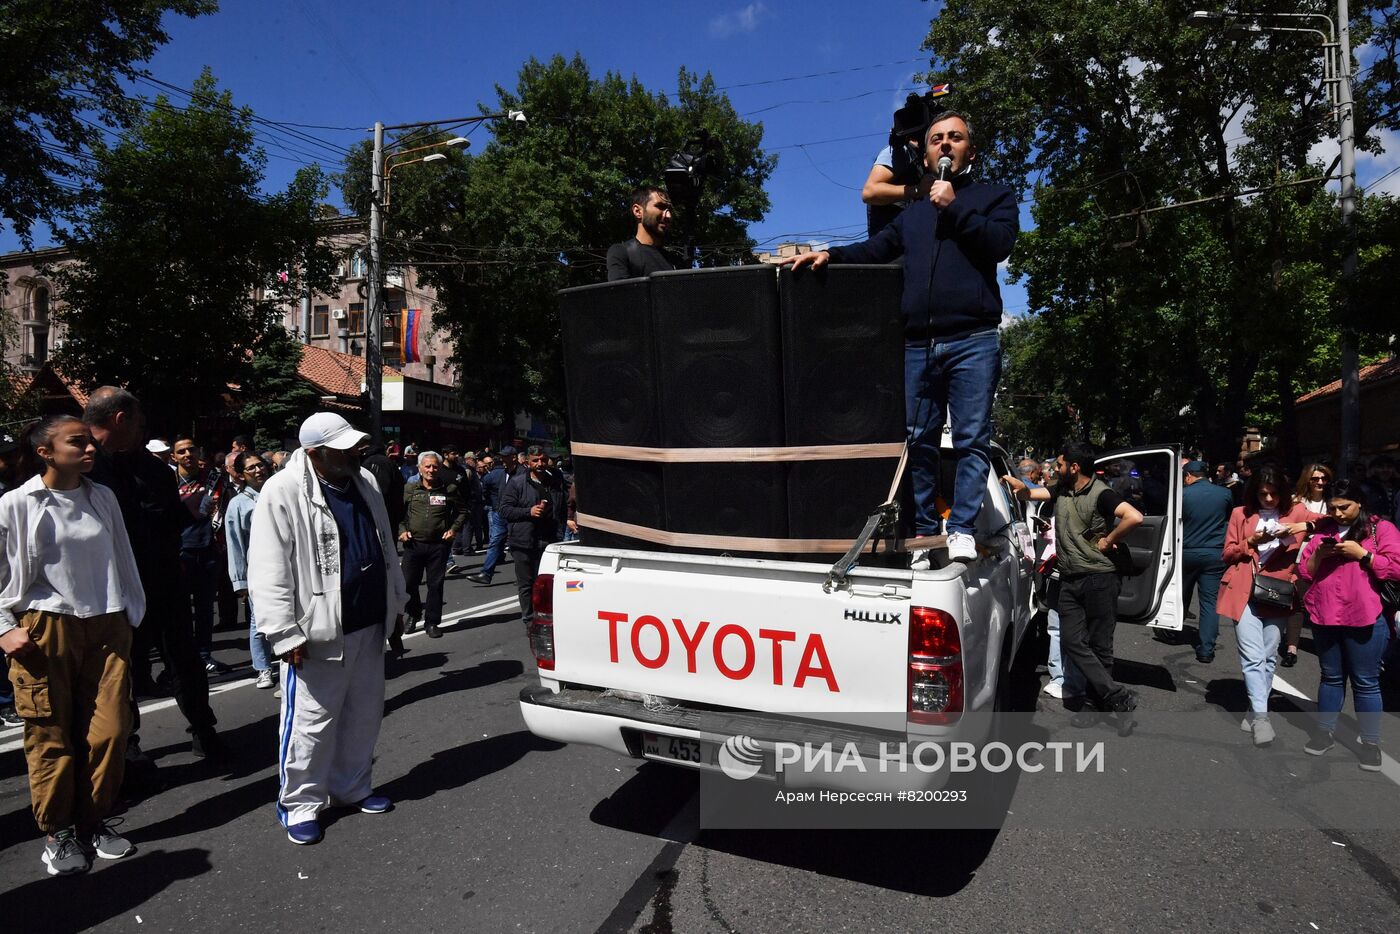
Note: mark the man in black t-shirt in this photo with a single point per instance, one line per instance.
(1091, 520)
(645, 253)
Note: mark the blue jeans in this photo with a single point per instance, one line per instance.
(496, 550)
(1351, 652)
(257, 644)
(1258, 644)
(1204, 568)
(950, 381)
(1062, 670)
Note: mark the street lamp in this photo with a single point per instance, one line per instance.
(379, 182)
(1336, 41)
(459, 142)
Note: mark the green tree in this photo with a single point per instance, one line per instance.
(1180, 324)
(181, 263)
(62, 66)
(497, 234)
(276, 399)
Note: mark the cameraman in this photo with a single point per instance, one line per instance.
(897, 178)
(645, 253)
(951, 240)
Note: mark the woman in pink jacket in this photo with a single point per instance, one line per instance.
(1346, 561)
(1263, 537)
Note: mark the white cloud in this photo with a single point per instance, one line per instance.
(741, 20)
(1370, 167)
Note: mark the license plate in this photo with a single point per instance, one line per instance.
(680, 749)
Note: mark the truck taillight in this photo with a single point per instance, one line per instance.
(935, 666)
(541, 628)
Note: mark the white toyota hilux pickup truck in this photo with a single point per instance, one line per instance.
(661, 655)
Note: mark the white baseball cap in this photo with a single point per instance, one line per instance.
(328, 430)
(157, 446)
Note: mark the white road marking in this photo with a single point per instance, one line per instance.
(1283, 687)
(1389, 767)
(163, 703)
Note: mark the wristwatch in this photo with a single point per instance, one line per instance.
(1366, 559)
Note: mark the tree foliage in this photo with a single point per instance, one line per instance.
(276, 400)
(497, 234)
(62, 66)
(1182, 324)
(180, 261)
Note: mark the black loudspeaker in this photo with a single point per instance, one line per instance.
(843, 375)
(627, 491)
(719, 365)
(748, 500)
(610, 363)
(718, 357)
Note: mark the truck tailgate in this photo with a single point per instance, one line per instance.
(737, 633)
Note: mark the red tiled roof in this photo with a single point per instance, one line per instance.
(334, 373)
(1375, 373)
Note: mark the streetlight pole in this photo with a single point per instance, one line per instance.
(1351, 371)
(374, 324)
(374, 298)
(1338, 73)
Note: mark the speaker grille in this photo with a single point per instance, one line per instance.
(843, 355)
(609, 363)
(625, 491)
(720, 366)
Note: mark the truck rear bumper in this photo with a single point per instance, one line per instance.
(595, 718)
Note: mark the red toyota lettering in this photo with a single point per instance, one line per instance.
(665, 650)
(690, 641)
(612, 619)
(744, 670)
(777, 637)
(805, 669)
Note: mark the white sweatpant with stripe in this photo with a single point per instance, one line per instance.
(331, 712)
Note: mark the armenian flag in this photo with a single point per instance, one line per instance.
(412, 323)
(938, 90)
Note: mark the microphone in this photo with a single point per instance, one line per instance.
(944, 165)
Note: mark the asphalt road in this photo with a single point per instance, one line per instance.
(496, 830)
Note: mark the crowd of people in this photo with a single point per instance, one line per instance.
(1266, 555)
(118, 550)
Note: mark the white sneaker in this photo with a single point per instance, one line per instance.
(919, 560)
(1054, 689)
(265, 680)
(1247, 724)
(962, 547)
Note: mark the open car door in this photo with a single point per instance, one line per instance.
(1150, 479)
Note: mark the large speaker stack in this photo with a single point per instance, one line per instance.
(738, 357)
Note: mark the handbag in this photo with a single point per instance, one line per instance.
(1389, 590)
(1271, 591)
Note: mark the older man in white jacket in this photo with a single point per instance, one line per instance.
(324, 575)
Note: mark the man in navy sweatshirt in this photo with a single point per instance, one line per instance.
(951, 241)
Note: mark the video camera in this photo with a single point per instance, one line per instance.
(913, 120)
(685, 173)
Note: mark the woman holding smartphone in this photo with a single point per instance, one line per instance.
(1345, 562)
(1263, 538)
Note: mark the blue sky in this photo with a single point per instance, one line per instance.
(347, 63)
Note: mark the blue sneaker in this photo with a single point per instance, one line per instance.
(305, 833)
(375, 804)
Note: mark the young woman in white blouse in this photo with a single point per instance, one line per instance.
(69, 599)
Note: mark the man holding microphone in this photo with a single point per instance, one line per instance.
(951, 240)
